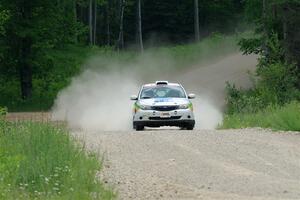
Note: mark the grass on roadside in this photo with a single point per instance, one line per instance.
(286, 118)
(38, 161)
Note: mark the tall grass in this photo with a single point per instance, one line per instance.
(38, 161)
(285, 118)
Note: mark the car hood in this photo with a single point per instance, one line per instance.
(163, 101)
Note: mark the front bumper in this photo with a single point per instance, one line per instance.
(152, 118)
(178, 123)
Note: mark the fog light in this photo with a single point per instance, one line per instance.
(141, 118)
(189, 116)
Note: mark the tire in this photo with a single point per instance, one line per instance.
(190, 127)
(139, 127)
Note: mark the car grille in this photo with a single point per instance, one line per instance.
(164, 108)
(170, 118)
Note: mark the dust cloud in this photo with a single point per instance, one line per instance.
(208, 115)
(98, 100)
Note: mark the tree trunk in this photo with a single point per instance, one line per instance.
(25, 68)
(264, 10)
(108, 23)
(95, 22)
(284, 24)
(196, 21)
(139, 27)
(24, 50)
(91, 22)
(75, 18)
(264, 23)
(121, 31)
(285, 11)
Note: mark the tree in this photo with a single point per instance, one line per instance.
(121, 24)
(95, 23)
(25, 49)
(196, 21)
(91, 21)
(4, 16)
(139, 26)
(107, 10)
(280, 18)
(75, 17)
(33, 28)
(264, 24)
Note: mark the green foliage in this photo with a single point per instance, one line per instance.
(253, 10)
(4, 16)
(275, 86)
(284, 118)
(3, 111)
(251, 45)
(275, 83)
(240, 101)
(169, 20)
(33, 28)
(277, 29)
(39, 29)
(38, 161)
(55, 71)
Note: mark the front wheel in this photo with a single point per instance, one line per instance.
(139, 127)
(188, 126)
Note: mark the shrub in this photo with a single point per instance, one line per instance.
(3, 111)
(242, 101)
(275, 83)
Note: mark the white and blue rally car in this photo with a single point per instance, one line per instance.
(163, 104)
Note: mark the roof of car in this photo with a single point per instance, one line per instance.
(154, 84)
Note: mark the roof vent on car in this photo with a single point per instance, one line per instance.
(161, 82)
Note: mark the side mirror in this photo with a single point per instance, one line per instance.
(133, 98)
(191, 96)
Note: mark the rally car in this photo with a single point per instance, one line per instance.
(163, 104)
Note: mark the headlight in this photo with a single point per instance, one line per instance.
(143, 107)
(184, 106)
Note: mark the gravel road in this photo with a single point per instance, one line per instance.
(174, 164)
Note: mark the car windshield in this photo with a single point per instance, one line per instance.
(164, 91)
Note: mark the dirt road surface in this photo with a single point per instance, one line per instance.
(173, 164)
